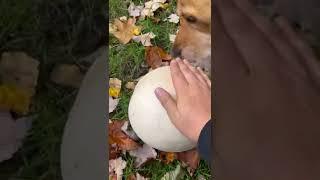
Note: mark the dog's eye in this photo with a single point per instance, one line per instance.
(191, 19)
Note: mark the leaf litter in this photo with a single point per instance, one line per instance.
(122, 139)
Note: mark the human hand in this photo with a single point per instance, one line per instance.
(192, 108)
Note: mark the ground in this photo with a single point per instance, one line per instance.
(53, 32)
(127, 63)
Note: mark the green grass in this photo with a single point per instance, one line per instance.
(53, 32)
(127, 63)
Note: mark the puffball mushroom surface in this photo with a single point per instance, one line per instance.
(150, 120)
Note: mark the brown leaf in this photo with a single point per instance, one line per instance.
(154, 56)
(124, 30)
(118, 138)
(114, 151)
(167, 157)
(155, 20)
(132, 177)
(190, 158)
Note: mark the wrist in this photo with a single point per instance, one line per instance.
(200, 128)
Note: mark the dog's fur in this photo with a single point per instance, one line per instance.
(193, 41)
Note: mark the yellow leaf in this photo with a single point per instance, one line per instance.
(164, 5)
(114, 87)
(136, 30)
(114, 92)
(123, 30)
(14, 99)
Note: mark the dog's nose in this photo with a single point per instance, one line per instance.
(176, 52)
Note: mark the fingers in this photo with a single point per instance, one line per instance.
(196, 73)
(167, 102)
(204, 76)
(187, 71)
(178, 79)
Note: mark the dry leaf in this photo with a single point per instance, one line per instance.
(190, 158)
(167, 157)
(172, 37)
(132, 177)
(130, 85)
(151, 6)
(19, 69)
(145, 39)
(14, 99)
(155, 55)
(134, 11)
(119, 138)
(12, 133)
(123, 18)
(124, 31)
(143, 154)
(139, 177)
(174, 18)
(155, 19)
(113, 103)
(67, 75)
(116, 167)
(130, 133)
(114, 87)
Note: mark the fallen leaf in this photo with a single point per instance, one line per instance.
(154, 56)
(130, 85)
(174, 18)
(172, 37)
(19, 69)
(176, 174)
(129, 132)
(112, 28)
(113, 103)
(201, 177)
(134, 11)
(15, 99)
(145, 39)
(12, 133)
(151, 6)
(155, 19)
(116, 167)
(189, 158)
(132, 177)
(119, 138)
(167, 157)
(123, 18)
(114, 87)
(124, 30)
(164, 5)
(114, 151)
(143, 154)
(67, 75)
(139, 177)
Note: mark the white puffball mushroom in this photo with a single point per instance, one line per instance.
(150, 120)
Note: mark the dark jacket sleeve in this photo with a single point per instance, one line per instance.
(205, 143)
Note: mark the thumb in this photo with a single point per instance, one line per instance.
(166, 101)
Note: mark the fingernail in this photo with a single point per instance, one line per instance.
(158, 92)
